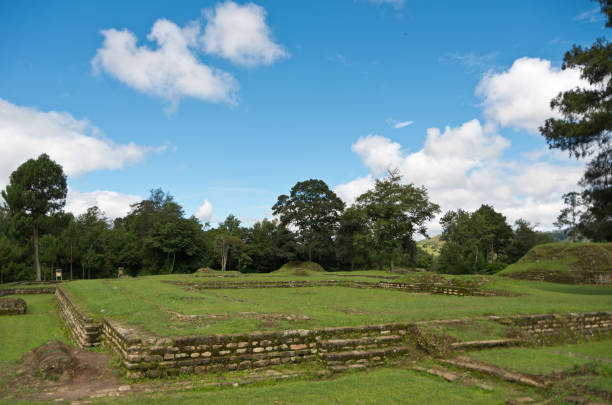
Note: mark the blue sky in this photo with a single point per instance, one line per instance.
(246, 99)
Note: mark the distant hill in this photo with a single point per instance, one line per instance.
(432, 245)
(572, 263)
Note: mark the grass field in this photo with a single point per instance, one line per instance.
(389, 386)
(153, 304)
(586, 363)
(20, 333)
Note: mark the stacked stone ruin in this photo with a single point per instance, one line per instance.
(339, 348)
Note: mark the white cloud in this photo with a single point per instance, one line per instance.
(590, 16)
(350, 191)
(240, 34)
(170, 71)
(378, 153)
(520, 97)
(395, 3)
(75, 144)
(204, 213)
(113, 204)
(463, 167)
(402, 124)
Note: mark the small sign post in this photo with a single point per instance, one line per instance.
(119, 272)
(58, 275)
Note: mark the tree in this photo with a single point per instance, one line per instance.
(347, 238)
(525, 237)
(569, 217)
(92, 226)
(473, 240)
(584, 129)
(228, 240)
(269, 245)
(35, 190)
(314, 210)
(393, 212)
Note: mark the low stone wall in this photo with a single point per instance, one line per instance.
(573, 277)
(26, 291)
(12, 306)
(83, 330)
(198, 354)
(559, 327)
(155, 357)
(434, 288)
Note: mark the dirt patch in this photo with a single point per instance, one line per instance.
(56, 370)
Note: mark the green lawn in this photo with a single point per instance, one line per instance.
(546, 360)
(388, 386)
(155, 305)
(20, 333)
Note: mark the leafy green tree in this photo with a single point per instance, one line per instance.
(314, 211)
(49, 252)
(69, 238)
(393, 213)
(473, 240)
(92, 227)
(568, 219)
(585, 127)
(225, 243)
(36, 189)
(495, 233)
(348, 236)
(229, 241)
(525, 237)
(269, 245)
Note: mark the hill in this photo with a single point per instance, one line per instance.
(432, 245)
(572, 263)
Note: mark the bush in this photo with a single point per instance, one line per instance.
(494, 267)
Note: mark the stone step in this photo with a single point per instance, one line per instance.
(359, 343)
(485, 344)
(374, 354)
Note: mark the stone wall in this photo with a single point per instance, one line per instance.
(434, 288)
(12, 306)
(26, 291)
(560, 327)
(156, 357)
(565, 277)
(197, 354)
(83, 330)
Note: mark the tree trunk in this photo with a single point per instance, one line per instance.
(224, 253)
(173, 260)
(309, 253)
(70, 259)
(36, 262)
(352, 263)
(380, 266)
(82, 271)
(476, 260)
(392, 268)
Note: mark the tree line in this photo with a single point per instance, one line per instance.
(156, 237)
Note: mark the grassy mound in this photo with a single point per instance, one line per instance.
(573, 263)
(300, 268)
(207, 272)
